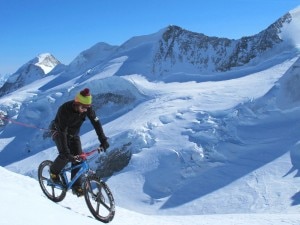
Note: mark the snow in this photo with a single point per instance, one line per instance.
(217, 152)
(44, 61)
(247, 179)
(25, 204)
(291, 31)
(3, 79)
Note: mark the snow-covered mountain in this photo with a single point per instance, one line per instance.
(3, 79)
(174, 50)
(197, 124)
(31, 71)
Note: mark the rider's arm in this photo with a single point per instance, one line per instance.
(97, 125)
(62, 126)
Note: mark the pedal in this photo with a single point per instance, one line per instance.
(77, 193)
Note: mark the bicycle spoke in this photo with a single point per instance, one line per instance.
(44, 178)
(98, 208)
(104, 204)
(99, 200)
(53, 192)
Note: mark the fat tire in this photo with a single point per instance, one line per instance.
(99, 199)
(52, 192)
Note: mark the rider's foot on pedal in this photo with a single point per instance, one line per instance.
(77, 190)
(55, 178)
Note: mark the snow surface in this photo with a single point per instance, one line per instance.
(250, 177)
(221, 152)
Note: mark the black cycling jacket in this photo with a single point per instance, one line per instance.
(68, 121)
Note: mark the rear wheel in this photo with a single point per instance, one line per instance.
(53, 191)
(99, 199)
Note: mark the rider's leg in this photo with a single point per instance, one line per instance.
(62, 159)
(75, 146)
(76, 149)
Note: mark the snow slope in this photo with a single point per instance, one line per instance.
(204, 153)
(25, 204)
(218, 152)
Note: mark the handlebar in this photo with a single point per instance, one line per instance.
(84, 155)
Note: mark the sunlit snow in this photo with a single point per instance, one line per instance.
(220, 152)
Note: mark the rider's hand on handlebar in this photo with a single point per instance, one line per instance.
(101, 149)
(75, 159)
(104, 145)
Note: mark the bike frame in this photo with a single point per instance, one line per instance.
(84, 168)
(97, 194)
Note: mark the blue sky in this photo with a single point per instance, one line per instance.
(65, 28)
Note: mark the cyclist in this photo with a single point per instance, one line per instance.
(65, 133)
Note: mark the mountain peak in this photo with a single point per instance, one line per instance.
(46, 62)
(31, 71)
(291, 26)
(295, 11)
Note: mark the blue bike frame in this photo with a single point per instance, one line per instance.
(84, 167)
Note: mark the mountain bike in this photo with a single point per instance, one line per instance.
(97, 194)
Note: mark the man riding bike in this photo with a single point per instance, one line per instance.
(65, 130)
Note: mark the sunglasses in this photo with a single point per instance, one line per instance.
(83, 107)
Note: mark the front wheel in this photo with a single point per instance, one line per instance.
(52, 191)
(99, 199)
